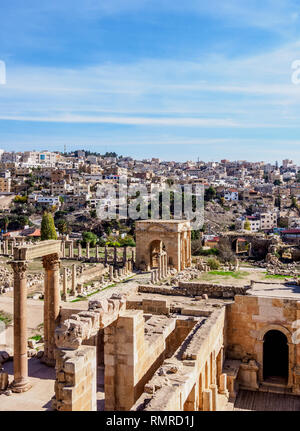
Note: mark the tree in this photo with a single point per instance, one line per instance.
(89, 237)
(225, 250)
(62, 226)
(128, 241)
(210, 194)
(47, 227)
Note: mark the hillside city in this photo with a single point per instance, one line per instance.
(239, 195)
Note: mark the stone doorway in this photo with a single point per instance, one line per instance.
(275, 357)
(156, 248)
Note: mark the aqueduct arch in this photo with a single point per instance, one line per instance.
(49, 251)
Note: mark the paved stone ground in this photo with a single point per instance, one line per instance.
(276, 289)
(38, 398)
(265, 401)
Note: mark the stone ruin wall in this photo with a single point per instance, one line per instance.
(249, 318)
(190, 379)
(136, 346)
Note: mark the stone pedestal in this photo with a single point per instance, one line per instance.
(248, 375)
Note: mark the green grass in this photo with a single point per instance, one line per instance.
(36, 337)
(6, 317)
(278, 276)
(233, 274)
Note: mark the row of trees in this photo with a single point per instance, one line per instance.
(48, 231)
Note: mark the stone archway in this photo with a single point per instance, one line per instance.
(49, 251)
(275, 357)
(155, 249)
(259, 350)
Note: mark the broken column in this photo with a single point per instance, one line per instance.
(223, 385)
(87, 250)
(111, 272)
(74, 279)
(65, 284)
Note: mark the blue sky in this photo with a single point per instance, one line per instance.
(148, 78)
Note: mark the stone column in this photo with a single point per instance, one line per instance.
(97, 252)
(51, 264)
(5, 246)
(132, 256)
(152, 277)
(207, 400)
(21, 382)
(124, 255)
(71, 250)
(159, 267)
(87, 250)
(111, 272)
(65, 284)
(115, 256)
(46, 314)
(214, 393)
(166, 265)
(105, 255)
(223, 385)
(74, 279)
(79, 250)
(63, 249)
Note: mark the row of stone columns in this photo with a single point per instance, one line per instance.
(71, 254)
(7, 247)
(162, 272)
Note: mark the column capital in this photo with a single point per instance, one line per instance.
(51, 262)
(19, 267)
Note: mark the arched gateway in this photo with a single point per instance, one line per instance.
(154, 237)
(275, 357)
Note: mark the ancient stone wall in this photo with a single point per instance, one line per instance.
(76, 380)
(190, 378)
(212, 290)
(131, 356)
(248, 320)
